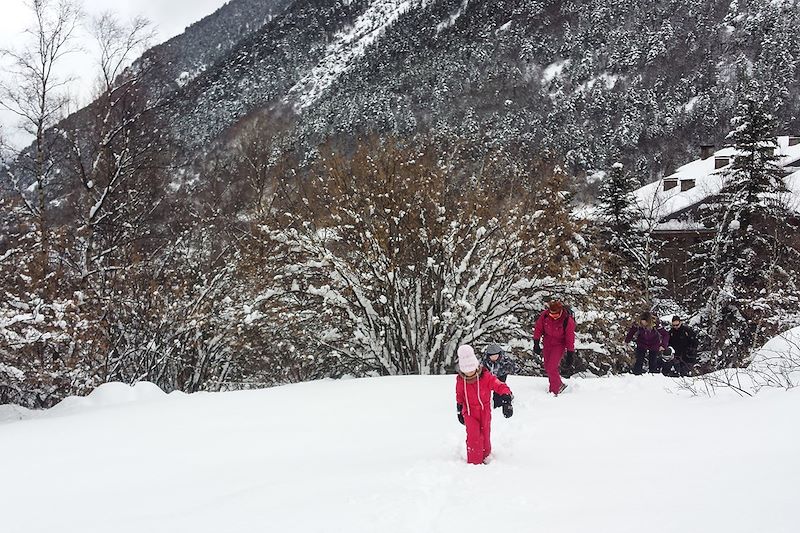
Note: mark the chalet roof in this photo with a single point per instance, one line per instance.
(661, 204)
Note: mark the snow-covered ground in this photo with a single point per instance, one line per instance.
(387, 455)
(776, 364)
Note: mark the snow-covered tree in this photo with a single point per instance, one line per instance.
(96, 191)
(619, 212)
(175, 321)
(626, 235)
(39, 97)
(747, 274)
(113, 160)
(398, 268)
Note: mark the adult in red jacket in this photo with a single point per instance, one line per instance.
(474, 388)
(557, 326)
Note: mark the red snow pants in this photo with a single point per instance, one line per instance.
(479, 427)
(552, 360)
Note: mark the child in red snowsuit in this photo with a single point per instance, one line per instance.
(557, 327)
(474, 388)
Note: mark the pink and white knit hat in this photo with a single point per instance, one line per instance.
(467, 362)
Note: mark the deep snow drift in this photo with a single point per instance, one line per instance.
(387, 455)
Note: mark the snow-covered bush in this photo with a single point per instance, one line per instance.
(775, 365)
(388, 267)
(43, 357)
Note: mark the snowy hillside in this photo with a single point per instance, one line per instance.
(506, 71)
(347, 47)
(387, 454)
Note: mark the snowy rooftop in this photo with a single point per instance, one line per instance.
(658, 203)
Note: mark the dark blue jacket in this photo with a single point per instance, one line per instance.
(500, 368)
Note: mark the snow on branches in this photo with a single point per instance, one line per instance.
(401, 267)
(746, 275)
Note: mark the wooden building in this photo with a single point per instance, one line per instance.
(672, 206)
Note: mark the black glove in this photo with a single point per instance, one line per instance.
(537, 348)
(508, 410)
(570, 358)
(460, 416)
(496, 401)
(505, 399)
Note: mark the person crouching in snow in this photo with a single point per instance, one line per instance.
(557, 326)
(473, 403)
(497, 361)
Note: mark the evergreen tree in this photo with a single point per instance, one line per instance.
(632, 252)
(747, 274)
(619, 211)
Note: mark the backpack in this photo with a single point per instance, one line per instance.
(570, 314)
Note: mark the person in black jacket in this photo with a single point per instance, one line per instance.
(683, 341)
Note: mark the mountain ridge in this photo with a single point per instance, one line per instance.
(494, 70)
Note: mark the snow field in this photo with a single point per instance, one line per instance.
(387, 454)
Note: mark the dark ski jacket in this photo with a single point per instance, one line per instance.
(684, 341)
(500, 368)
(648, 338)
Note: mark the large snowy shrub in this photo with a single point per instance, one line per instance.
(399, 267)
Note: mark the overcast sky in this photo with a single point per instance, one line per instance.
(169, 16)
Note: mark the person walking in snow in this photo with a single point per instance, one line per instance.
(497, 361)
(473, 396)
(555, 329)
(651, 339)
(683, 341)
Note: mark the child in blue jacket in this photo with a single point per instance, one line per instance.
(497, 361)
